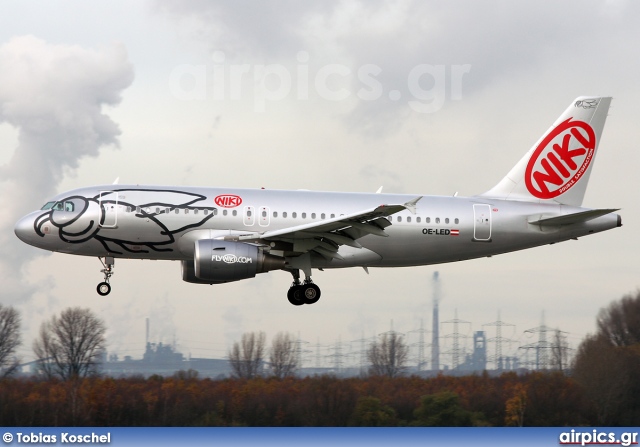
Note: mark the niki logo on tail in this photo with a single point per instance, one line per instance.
(560, 159)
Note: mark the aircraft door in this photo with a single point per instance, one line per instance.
(249, 217)
(482, 222)
(109, 206)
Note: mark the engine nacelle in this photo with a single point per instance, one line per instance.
(217, 262)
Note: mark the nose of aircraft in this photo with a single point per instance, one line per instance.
(24, 229)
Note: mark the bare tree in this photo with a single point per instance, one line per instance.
(282, 357)
(388, 356)
(607, 363)
(70, 346)
(619, 323)
(603, 371)
(247, 357)
(9, 340)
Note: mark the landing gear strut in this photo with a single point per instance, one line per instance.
(104, 288)
(302, 293)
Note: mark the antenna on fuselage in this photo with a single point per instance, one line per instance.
(115, 182)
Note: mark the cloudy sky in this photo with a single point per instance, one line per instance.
(418, 97)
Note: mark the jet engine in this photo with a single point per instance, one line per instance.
(216, 262)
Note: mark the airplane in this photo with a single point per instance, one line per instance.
(221, 235)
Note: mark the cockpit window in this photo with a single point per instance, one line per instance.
(61, 206)
(47, 206)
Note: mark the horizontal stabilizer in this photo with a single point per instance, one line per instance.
(568, 219)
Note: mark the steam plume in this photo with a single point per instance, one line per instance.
(53, 95)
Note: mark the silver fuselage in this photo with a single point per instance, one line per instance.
(147, 222)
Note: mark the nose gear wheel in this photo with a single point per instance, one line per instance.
(104, 288)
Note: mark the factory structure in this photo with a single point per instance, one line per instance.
(164, 360)
(454, 349)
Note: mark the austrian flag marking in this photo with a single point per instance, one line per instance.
(561, 159)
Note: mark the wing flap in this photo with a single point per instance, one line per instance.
(339, 239)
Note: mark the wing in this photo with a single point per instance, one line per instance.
(326, 236)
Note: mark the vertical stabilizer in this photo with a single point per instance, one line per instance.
(558, 166)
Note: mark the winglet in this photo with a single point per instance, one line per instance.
(411, 204)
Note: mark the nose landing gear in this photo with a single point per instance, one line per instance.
(104, 288)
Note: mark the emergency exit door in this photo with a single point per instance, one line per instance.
(482, 222)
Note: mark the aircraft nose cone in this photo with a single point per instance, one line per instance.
(24, 229)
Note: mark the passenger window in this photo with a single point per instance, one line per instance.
(322, 216)
(186, 210)
(294, 215)
(333, 215)
(157, 210)
(457, 220)
(275, 214)
(206, 212)
(138, 209)
(128, 209)
(224, 212)
(167, 210)
(428, 220)
(437, 220)
(284, 214)
(304, 215)
(177, 210)
(446, 220)
(264, 214)
(313, 215)
(390, 218)
(248, 213)
(195, 211)
(234, 212)
(418, 219)
(399, 218)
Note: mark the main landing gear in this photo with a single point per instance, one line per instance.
(302, 293)
(104, 288)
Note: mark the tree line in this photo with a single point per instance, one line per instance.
(601, 388)
(552, 399)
